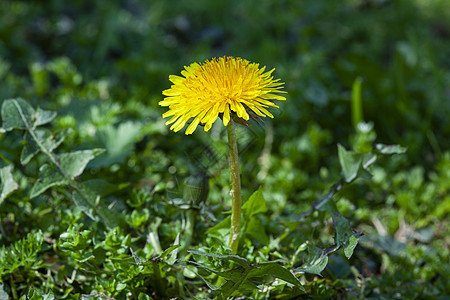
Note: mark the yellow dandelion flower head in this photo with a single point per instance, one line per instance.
(219, 86)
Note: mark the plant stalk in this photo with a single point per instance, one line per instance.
(235, 189)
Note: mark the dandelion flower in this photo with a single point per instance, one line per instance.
(221, 87)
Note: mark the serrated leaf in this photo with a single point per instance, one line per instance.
(255, 204)
(345, 236)
(73, 163)
(390, 149)
(17, 114)
(316, 263)
(44, 117)
(350, 163)
(7, 183)
(275, 270)
(48, 177)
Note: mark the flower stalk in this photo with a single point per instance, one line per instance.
(235, 189)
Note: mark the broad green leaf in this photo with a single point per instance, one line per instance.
(206, 281)
(44, 116)
(85, 203)
(237, 276)
(17, 114)
(256, 229)
(48, 177)
(239, 260)
(276, 270)
(345, 236)
(255, 204)
(31, 147)
(222, 228)
(316, 263)
(89, 201)
(45, 139)
(390, 149)
(102, 187)
(118, 142)
(73, 163)
(7, 183)
(350, 163)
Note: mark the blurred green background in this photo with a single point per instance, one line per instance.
(103, 64)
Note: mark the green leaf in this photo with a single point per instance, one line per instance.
(237, 259)
(75, 240)
(255, 204)
(357, 111)
(316, 263)
(277, 271)
(7, 185)
(86, 205)
(222, 228)
(171, 250)
(73, 163)
(118, 142)
(17, 114)
(4, 291)
(206, 281)
(256, 229)
(102, 187)
(45, 138)
(31, 147)
(48, 177)
(44, 116)
(350, 163)
(345, 236)
(173, 253)
(390, 149)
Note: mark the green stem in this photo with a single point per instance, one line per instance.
(160, 284)
(190, 224)
(236, 189)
